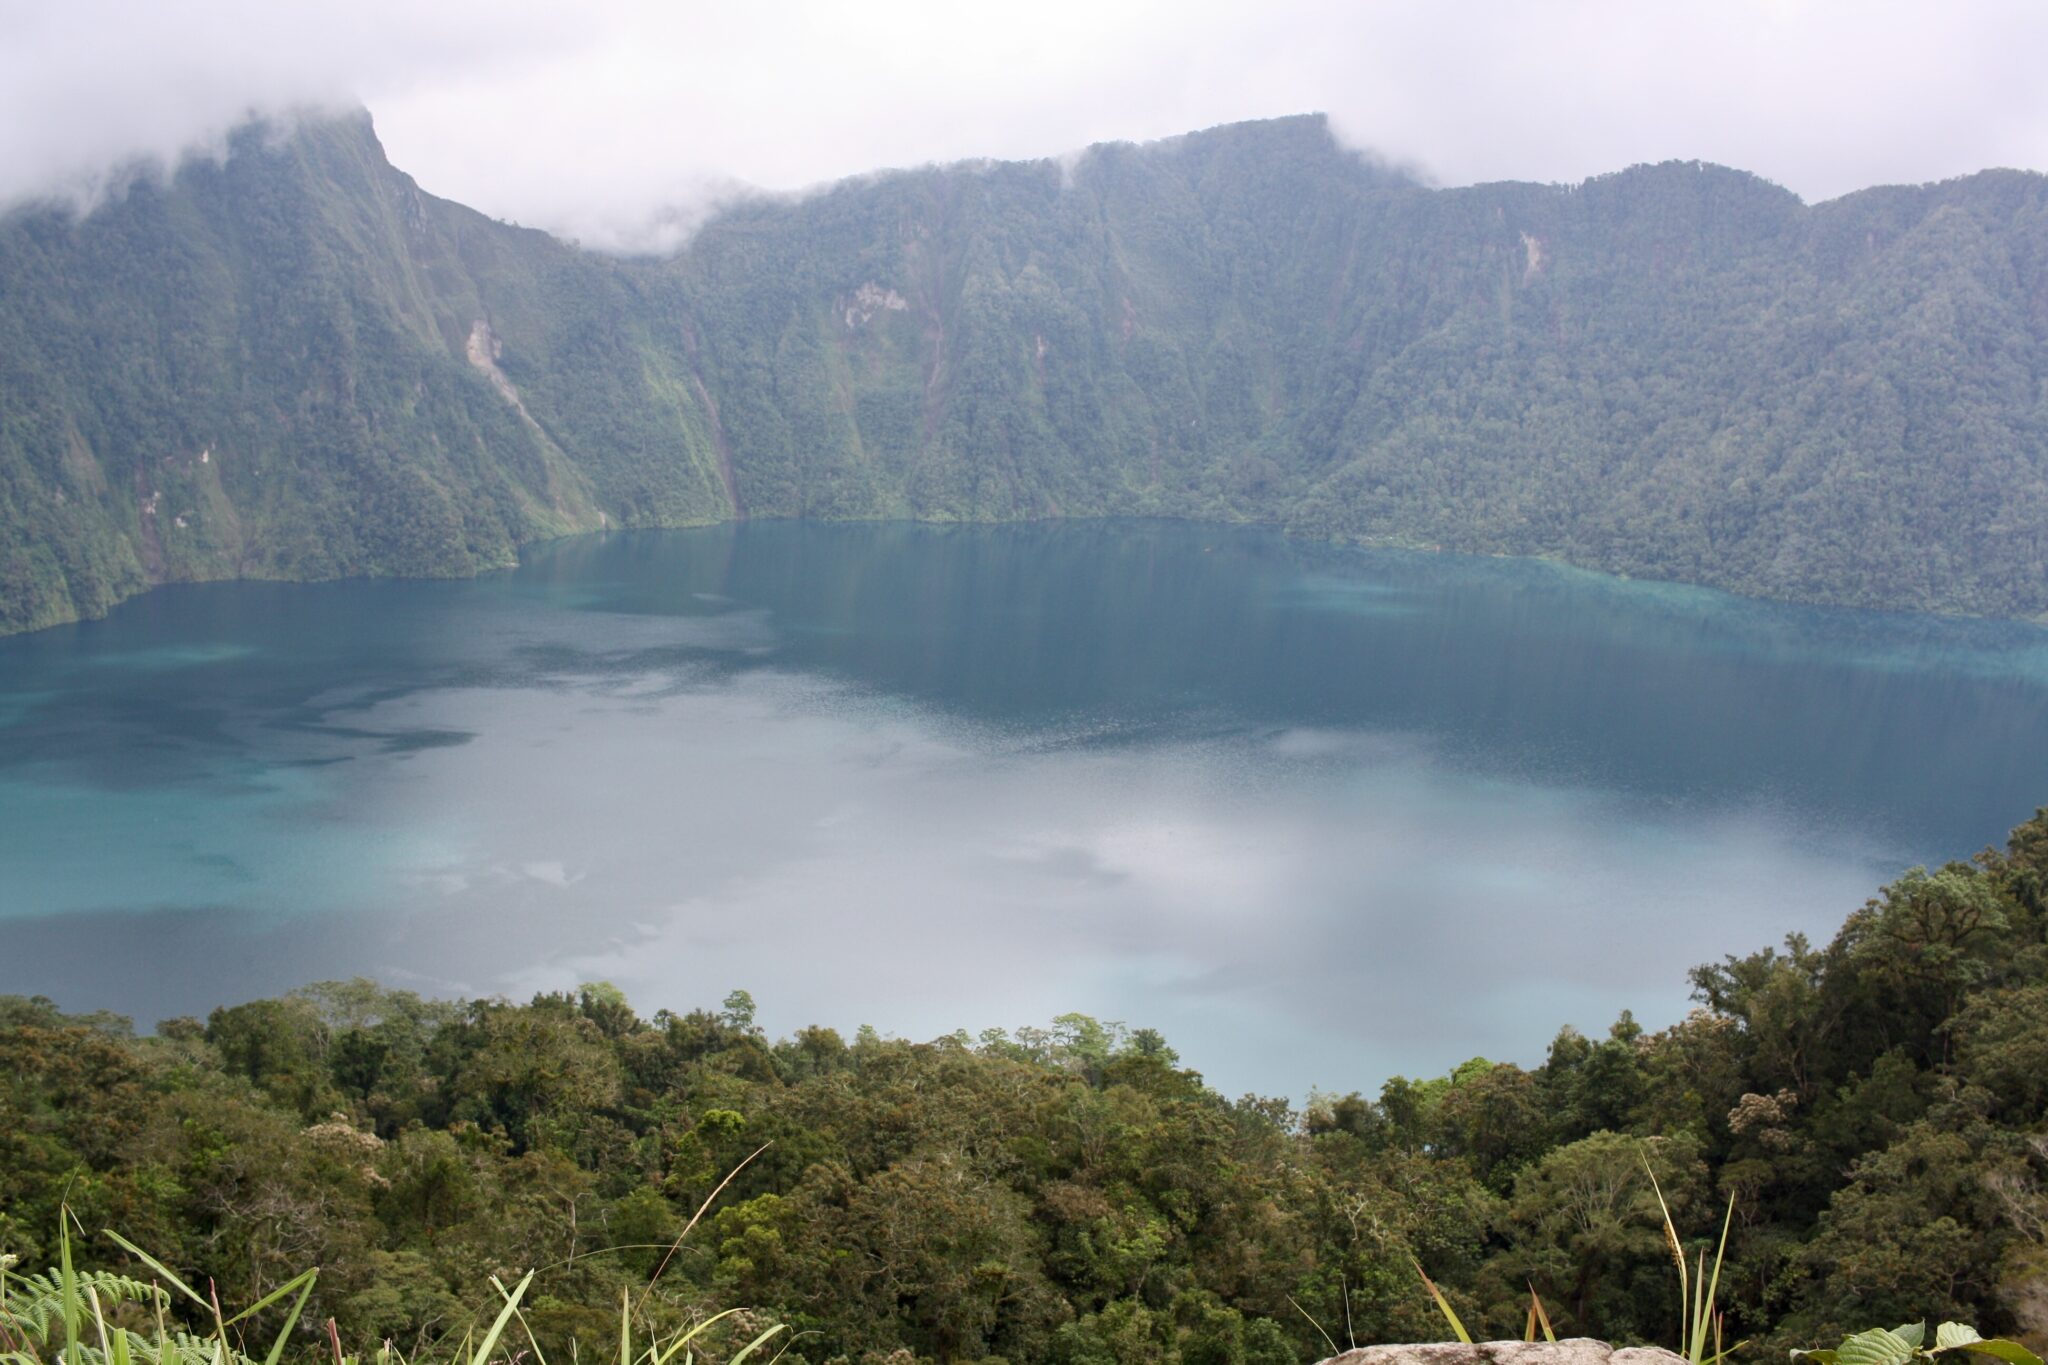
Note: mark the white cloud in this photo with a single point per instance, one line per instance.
(89, 88)
(591, 119)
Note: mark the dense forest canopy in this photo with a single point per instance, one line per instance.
(1875, 1107)
(294, 363)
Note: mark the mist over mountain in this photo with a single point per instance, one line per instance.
(294, 362)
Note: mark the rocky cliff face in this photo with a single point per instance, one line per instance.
(295, 363)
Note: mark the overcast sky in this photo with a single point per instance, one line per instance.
(589, 118)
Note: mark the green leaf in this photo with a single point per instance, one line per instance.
(1875, 1347)
(1912, 1333)
(1950, 1335)
(1821, 1357)
(2011, 1352)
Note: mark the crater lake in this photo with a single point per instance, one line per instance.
(1318, 815)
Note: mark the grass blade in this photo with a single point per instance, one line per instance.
(1443, 1305)
(690, 1226)
(1677, 1249)
(687, 1337)
(305, 1278)
(74, 1349)
(740, 1356)
(163, 1271)
(99, 1320)
(1313, 1323)
(291, 1320)
(490, 1341)
(1714, 1288)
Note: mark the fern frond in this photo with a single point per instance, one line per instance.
(35, 1301)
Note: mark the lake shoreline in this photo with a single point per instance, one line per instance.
(1395, 544)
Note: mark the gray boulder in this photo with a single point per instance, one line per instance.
(1571, 1351)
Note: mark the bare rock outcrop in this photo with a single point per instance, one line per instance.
(1571, 1351)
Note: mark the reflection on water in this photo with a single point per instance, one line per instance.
(1318, 815)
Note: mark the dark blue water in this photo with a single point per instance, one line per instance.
(1319, 815)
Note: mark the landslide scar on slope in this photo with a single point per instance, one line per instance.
(483, 349)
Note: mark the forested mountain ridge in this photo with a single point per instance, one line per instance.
(295, 363)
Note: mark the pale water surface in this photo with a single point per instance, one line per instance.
(1317, 815)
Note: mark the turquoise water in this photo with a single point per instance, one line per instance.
(1318, 815)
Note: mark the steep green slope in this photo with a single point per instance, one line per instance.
(284, 365)
(295, 363)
